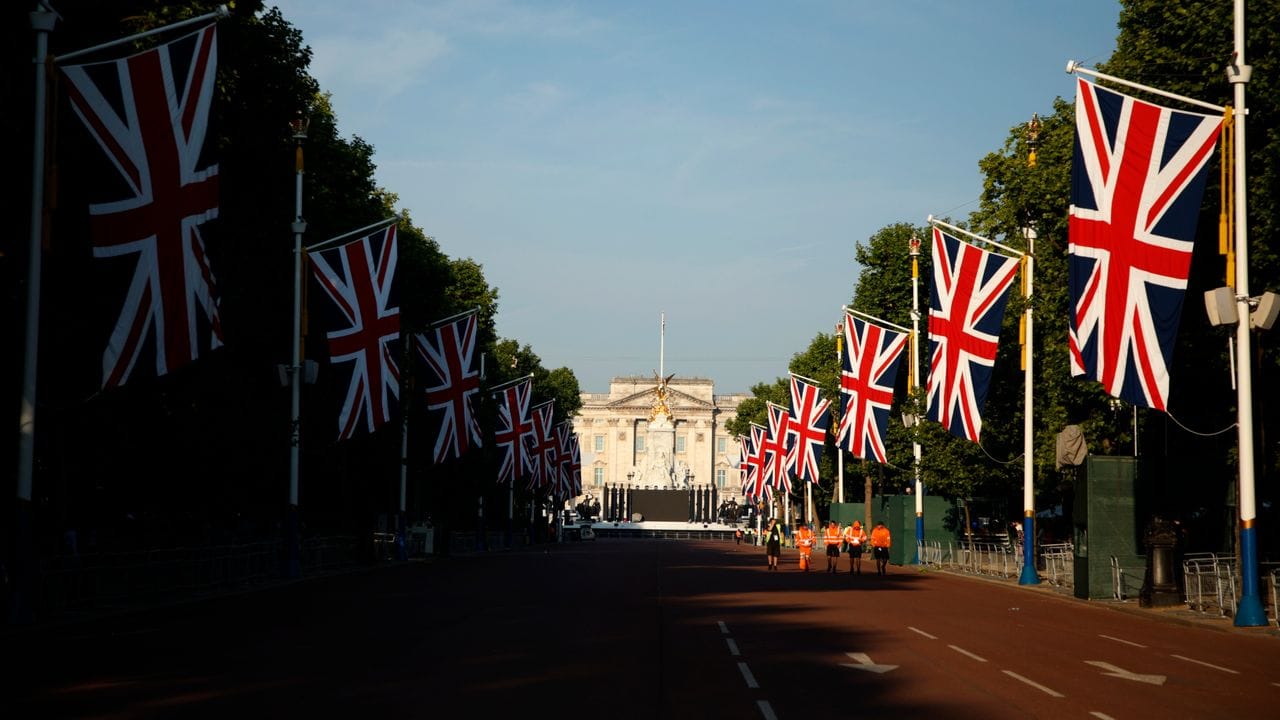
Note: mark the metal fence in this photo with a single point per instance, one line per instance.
(1126, 582)
(1209, 583)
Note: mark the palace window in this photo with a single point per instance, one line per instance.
(720, 445)
(639, 443)
(720, 478)
(599, 443)
(679, 443)
(597, 476)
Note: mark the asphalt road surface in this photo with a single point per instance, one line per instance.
(621, 628)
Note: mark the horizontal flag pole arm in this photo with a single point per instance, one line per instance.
(979, 238)
(873, 318)
(811, 381)
(451, 318)
(509, 383)
(1075, 67)
(221, 12)
(366, 230)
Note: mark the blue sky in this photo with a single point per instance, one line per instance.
(607, 162)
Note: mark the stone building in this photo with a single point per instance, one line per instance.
(655, 432)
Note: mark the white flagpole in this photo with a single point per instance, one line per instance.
(1249, 613)
(914, 376)
(1075, 67)
(293, 567)
(839, 450)
(1029, 575)
(218, 14)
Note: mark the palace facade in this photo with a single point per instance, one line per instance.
(617, 444)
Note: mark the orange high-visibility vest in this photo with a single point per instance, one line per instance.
(832, 536)
(880, 537)
(804, 539)
(854, 535)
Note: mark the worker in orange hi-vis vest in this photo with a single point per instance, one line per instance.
(880, 543)
(805, 540)
(855, 540)
(832, 539)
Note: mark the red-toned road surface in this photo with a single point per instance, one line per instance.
(621, 628)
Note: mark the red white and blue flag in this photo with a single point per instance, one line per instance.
(363, 327)
(564, 459)
(810, 419)
(756, 483)
(969, 292)
(1137, 180)
(778, 454)
(514, 428)
(542, 446)
(868, 370)
(575, 465)
(452, 380)
(150, 115)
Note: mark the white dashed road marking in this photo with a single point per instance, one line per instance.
(767, 710)
(1034, 684)
(1121, 640)
(918, 630)
(1101, 716)
(724, 629)
(962, 651)
(733, 647)
(1201, 662)
(746, 675)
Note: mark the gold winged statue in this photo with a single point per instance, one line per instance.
(660, 406)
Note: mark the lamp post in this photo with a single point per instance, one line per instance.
(298, 127)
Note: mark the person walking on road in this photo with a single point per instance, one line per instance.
(832, 539)
(880, 543)
(773, 543)
(737, 536)
(855, 539)
(805, 540)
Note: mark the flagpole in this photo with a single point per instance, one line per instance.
(1028, 576)
(874, 319)
(360, 232)
(914, 377)
(292, 560)
(839, 450)
(1249, 612)
(42, 22)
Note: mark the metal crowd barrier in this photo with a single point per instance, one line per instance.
(1275, 608)
(1126, 582)
(1059, 560)
(1210, 582)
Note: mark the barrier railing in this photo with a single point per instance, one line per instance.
(1126, 582)
(1059, 559)
(1209, 582)
(1275, 608)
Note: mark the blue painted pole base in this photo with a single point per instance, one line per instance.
(1249, 612)
(919, 538)
(1029, 575)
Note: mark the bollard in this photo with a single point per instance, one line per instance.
(1160, 587)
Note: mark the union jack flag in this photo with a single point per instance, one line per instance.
(810, 418)
(150, 115)
(542, 446)
(969, 292)
(575, 466)
(514, 427)
(564, 437)
(453, 378)
(1137, 179)
(756, 483)
(364, 321)
(777, 448)
(868, 370)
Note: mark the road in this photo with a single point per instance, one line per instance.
(621, 628)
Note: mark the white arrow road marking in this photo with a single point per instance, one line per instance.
(864, 663)
(1114, 671)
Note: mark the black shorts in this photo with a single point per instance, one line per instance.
(855, 551)
(833, 551)
(774, 549)
(881, 553)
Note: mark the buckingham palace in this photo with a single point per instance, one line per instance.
(656, 432)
